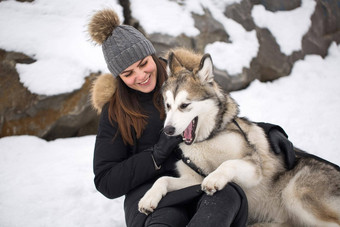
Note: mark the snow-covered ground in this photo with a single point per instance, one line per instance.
(51, 183)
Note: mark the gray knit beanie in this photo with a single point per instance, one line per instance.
(122, 45)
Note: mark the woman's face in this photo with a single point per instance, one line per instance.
(141, 76)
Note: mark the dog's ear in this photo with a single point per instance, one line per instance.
(173, 65)
(205, 70)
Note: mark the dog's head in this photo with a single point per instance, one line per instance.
(191, 97)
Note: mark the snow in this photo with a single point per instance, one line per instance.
(164, 17)
(51, 183)
(288, 27)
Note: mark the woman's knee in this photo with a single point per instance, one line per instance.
(231, 194)
(225, 208)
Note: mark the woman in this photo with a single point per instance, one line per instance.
(131, 151)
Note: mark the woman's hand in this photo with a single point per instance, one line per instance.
(164, 147)
(280, 144)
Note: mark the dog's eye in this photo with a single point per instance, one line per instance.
(184, 105)
(168, 106)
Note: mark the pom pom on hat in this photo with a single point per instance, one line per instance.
(102, 25)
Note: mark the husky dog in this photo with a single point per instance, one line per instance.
(225, 148)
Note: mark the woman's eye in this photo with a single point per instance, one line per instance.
(127, 74)
(143, 63)
(184, 105)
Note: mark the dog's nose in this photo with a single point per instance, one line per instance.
(169, 130)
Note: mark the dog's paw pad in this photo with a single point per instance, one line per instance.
(208, 191)
(145, 211)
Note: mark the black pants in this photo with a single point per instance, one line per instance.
(227, 207)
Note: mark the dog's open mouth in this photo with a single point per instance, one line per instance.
(189, 132)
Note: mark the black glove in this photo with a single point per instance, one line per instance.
(279, 142)
(164, 147)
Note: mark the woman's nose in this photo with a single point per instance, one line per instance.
(139, 73)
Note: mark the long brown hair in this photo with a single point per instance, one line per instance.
(125, 109)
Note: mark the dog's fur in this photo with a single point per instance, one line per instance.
(308, 195)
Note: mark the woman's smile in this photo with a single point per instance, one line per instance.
(146, 82)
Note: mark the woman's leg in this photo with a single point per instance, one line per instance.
(228, 207)
(172, 215)
(176, 216)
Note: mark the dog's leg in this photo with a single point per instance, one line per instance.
(243, 172)
(160, 188)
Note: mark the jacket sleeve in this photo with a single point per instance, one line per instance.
(116, 173)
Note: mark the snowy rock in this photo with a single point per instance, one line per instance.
(271, 62)
(210, 30)
(325, 28)
(48, 117)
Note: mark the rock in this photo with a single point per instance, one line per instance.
(278, 5)
(210, 31)
(163, 42)
(48, 117)
(270, 63)
(324, 30)
(241, 13)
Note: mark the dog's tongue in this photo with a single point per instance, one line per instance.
(188, 132)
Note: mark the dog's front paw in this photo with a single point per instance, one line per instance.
(148, 203)
(214, 182)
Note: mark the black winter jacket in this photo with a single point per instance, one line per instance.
(119, 168)
(129, 170)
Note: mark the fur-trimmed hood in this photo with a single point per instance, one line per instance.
(102, 90)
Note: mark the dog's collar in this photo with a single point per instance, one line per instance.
(192, 166)
(198, 170)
